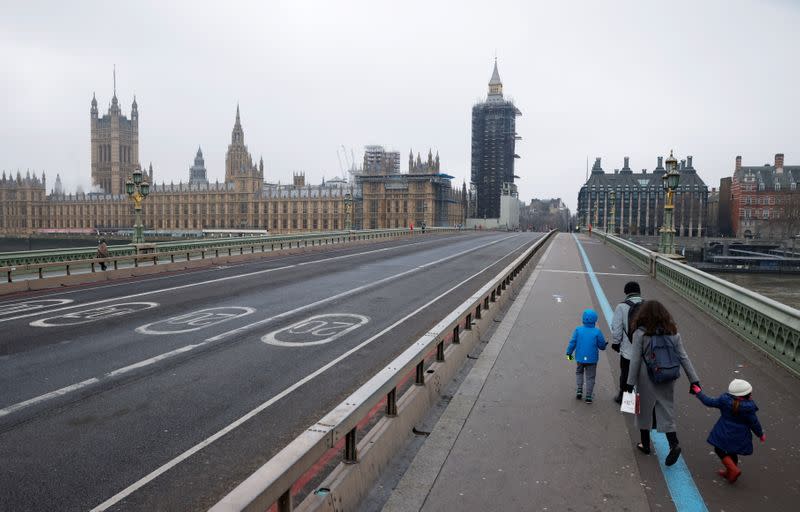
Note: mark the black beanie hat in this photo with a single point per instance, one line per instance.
(632, 287)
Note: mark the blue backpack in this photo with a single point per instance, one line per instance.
(663, 364)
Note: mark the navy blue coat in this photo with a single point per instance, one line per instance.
(732, 432)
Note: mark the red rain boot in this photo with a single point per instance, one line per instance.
(733, 471)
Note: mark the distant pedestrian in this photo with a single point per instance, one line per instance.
(657, 356)
(732, 435)
(585, 342)
(621, 332)
(102, 252)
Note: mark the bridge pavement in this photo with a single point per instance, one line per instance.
(515, 438)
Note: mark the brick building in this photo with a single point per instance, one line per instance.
(765, 202)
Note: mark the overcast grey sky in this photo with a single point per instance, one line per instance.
(711, 79)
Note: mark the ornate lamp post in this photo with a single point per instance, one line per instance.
(137, 190)
(669, 183)
(348, 212)
(596, 211)
(612, 224)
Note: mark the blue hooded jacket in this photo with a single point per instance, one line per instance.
(731, 433)
(586, 340)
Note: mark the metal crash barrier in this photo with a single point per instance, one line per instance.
(443, 349)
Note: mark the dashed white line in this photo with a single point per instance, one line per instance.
(181, 350)
(206, 442)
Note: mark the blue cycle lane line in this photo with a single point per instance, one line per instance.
(680, 483)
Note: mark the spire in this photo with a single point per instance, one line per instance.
(237, 137)
(238, 121)
(495, 80)
(114, 98)
(199, 152)
(495, 84)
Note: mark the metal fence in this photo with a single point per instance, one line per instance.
(769, 325)
(272, 483)
(66, 262)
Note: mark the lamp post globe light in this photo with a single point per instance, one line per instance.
(669, 183)
(612, 223)
(137, 189)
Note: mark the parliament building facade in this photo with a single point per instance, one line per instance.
(244, 200)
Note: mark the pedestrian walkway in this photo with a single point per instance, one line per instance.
(515, 438)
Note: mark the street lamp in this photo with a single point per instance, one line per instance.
(669, 183)
(613, 223)
(137, 189)
(348, 212)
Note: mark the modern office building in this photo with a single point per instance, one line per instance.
(493, 141)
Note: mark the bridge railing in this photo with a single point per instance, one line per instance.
(44, 264)
(273, 482)
(768, 324)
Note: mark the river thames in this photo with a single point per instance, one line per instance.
(784, 288)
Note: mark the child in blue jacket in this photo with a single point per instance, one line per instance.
(586, 340)
(731, 435)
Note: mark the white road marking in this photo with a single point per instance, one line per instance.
(48, 396)
(346, 293)
(596, 273)
(209, 440)
(212, 281)
(187, 348)
(93, 315)
(31, 305)
(321, 329)
(196, 320)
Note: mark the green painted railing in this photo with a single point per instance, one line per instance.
(8, 259)
(769, 325)
(64, 263)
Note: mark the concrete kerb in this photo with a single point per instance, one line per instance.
(349, 483)
(416, 484)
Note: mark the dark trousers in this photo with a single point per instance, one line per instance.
(672, 437)
(624, 369)
(722, 455)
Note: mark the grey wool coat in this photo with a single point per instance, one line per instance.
(656, 397)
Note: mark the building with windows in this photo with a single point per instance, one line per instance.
(422, 196)
(765, 202)
(639, 200)
(382, 197)
(493, 149)
(114, 145)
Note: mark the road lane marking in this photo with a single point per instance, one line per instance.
(195, 320)
(218, 280)
(41, 398)
(596, 273)
(682, 488)
(372, 284)
(181, 350)
(87, 316)
(316, 330)
(30, 305)
(287, 391)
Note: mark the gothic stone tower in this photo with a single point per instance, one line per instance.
(239, 168)
(115, 145)
(493, 147)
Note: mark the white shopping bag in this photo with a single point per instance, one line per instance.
(630, 403)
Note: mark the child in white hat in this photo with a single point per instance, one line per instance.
(732, 434)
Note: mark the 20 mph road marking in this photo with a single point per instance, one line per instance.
(172, 353)
(196, 448)
(210, 281)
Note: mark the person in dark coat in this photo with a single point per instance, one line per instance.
(102, 252)
(657, 403)
(732, 434)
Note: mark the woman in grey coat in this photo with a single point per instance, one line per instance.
(657, 406)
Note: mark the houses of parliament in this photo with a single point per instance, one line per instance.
(381, 196)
